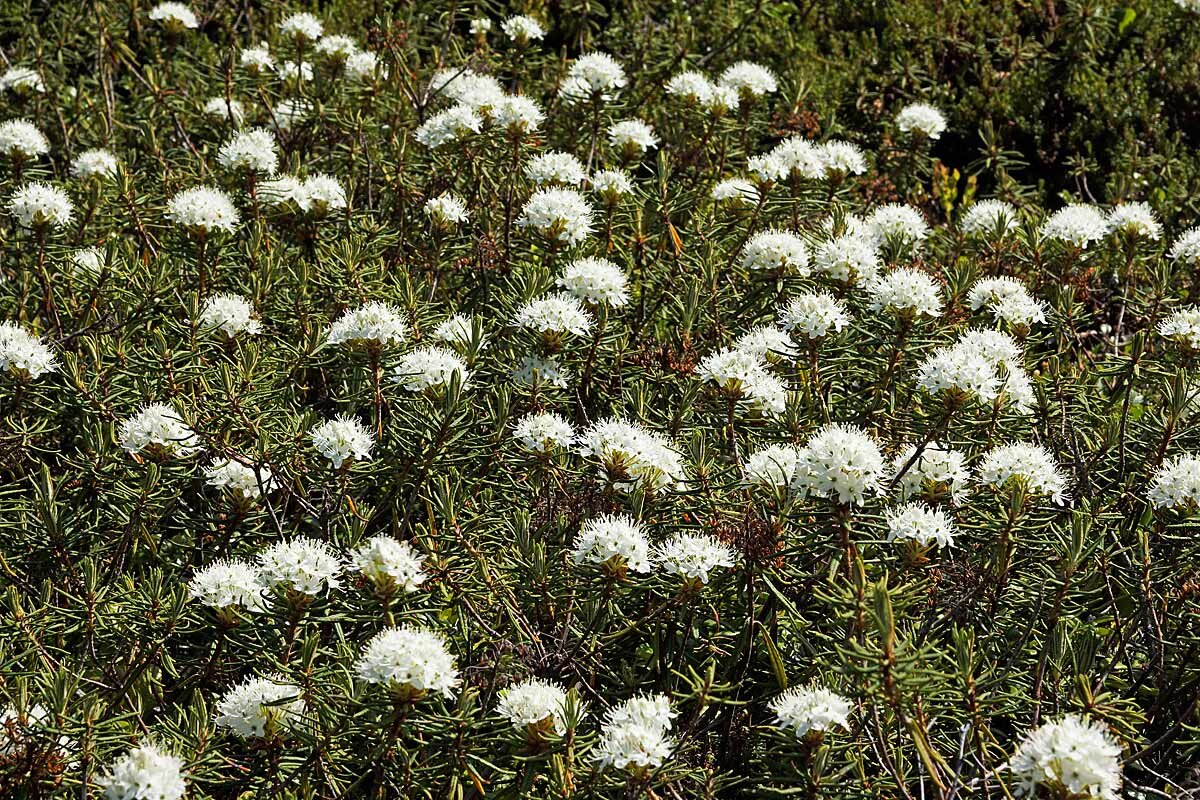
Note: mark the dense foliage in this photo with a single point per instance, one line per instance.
(581, 400)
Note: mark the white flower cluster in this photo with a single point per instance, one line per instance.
(41, 206)
(560, 215)
(987, 217)
(24, 355)
(1176, 484)
(410, 662)
(230, 314)
(692, 557)
(248, 482)
(908, 293)
(389, 563)
(618, 543)
(776, 250)
(1077, 225)
(1008, 301)
(595, 281)
(636, 735)
(631, 455)
(544, 432)
(743, 375)
(302, 565)
(555, 315)
(921, 524)
(145, 773)
(372, 323)
(343, 439)
(1183, 327)
(202, 210)
(20, 139)
(158, 430)
(1071, 757)
(261, 707)
(535, 706)
(808, 709)
(841, 462)
(921, 119)
(938, 473)
(983, 367)
(555, 168)
(228, 584)
(1031, 467)
(431, 369)
(592, 76)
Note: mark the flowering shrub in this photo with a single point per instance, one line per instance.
(752, 400)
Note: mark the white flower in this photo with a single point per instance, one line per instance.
(541, 373)
(982, 367)
(543, 432)
(768, 343)
(555, 168)
(158, 428)
(848, 259)
(635, 736)
(290, 112)
(722, 100)
(469, 89)
(596, 281)
(174, 15)
(298, 72)
(804, 709)
(1134, 220)
(692, 556)
(21, 80)
(768, 168)
(691, 87)
(362, 65)
(554, 315)
(225, 109)
(842, 462)
(908, 293)
(799, 159)
(921, 119)
(452, 125)
(742, 375)
(446, 209)
(259, 707)
(842, 159)
(410, 662)
(895, 222)
(1007, 300)
(231, 314)
(480, 26)
(457, 330)
(343, 439)
(429, 368)
(389, 563)
(23, 354)
(630, 454)
(936, 473)
(776, 250)
(303, 27)
(1030, 466)
(319, 194)
(37, 205)
(560, 215)
(256, 59)
(372, 323)
(749, 79)
(522, 29)
(632, 136)
(145, 773)
(593, 75)
(1176, 484)
(517, 114)
(921, 524)
(813, 316)
(20, 139)
(203, 210)
(986, 217)
(301, 565)
(534, 705)
(1078, 225)
(94, 164)
(736, 192)
(249, 482)
(773, 466)
(252, 150)
(612, 185)
(1186, 249)
(1072, 757)
(1183, 326)
(337, 46)
(87, 261)
(224, 584)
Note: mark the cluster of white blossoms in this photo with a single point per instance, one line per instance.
(544, 432)
(231, 314)
(1008, 301)
(389, 564)
(847, 259)
(40, 206)
(921, 119)
(24, 355)
(555, 168)
(372, 323)
(748, 80)
(1186, 248)
(595, 281)
(1176, 484)
(618, 543)
(591, 77)
(907, 293)
(555, 316)
(773, 466)
(430, 369)
(983, 367)
(810, 709)
(144, 773)
(261, 707)
(1072, 757)
(743, 375)
(987, 217)
(840, 462)
(410, 662)
(631, 137)
(521, 29)
(449, 126)
(252, 150)
(895, 223)
(313, 198)
(1077, 225)
(636, 735)
(560, 215)
(22, 80)
(247, 482)
(343, 439)
(97, 164)
(1030, 467)
(776, 250)
(1182, 327)
(735, 193)
(1134, 220)
(20, 139)
(301, 565)
(921, 524)
(446, 210)
(203, 210)
(936, 474)
(158, 430)
(631, 455)
(174, 16)
(692, 556)
(535, 706)
(228, 584)
(458, 330)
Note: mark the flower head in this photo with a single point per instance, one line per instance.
(812, 316)
(555, 169)
(937, 473)
(921, 524)
(40, 205)
(736, 192)
(774, 466)
(372, 323)
(302, 26)
(1186, 249)
(95, 164)
(452, 125)
(636, 735)
(776, 250)
(24, 355)
(22, 81)
(692, 556)
(228, 584)
(516, 114)
(898, 223)
(554, 316)
(230, 314)
(301, 565)
(410, 662)
(158, 430)
(202, 210)
(1072, 757)
(805, 709)
(595, 281)
(748, 80)
(145, 773)
(908, 293)
(631, 137)
(842, 158)
(543, 432)
(1183, 327)
(561, 215)
(593, 75)
(1078, 225)
(630, 454)
(446, 210)
(225, 108)
(921, 119)
(1008, 301)
(250, 151)
(20, 139)
(986, 217)
(535, 706)
(343, 439)
(175, 16)
(522, 29)
(1134, 220)
(1176, 484)
(799, 159)
(848, 259)
(1029, 466)
(389, 563)
(260, 707)
(430, 368)
(618, 543)
(611, 185)
(841, 462)
(248, 482)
